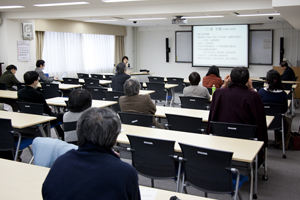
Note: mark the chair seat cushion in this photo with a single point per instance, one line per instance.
(243, 179)
(25, 142)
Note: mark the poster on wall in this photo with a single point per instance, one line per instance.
(23, 51)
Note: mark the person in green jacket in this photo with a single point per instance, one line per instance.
(9, 78)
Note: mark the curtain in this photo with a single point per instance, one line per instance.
(39, 37)
(78, 53)
(119, 49)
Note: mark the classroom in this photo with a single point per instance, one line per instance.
(145, 46)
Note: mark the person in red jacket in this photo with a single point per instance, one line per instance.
(212, 78)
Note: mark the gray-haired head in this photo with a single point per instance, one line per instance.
(100, 126)
(121, 68)
(131, 87)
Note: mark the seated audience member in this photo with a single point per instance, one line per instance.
(40, 66)
(119, 78)
(212, 78)
(9, 77)
(239, 103)
(94, 171)
(288, 73)
(79, 101)
(136, 103)
(274, 93)
(195, 89)
(30, 94)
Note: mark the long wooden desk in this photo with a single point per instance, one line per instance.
(65, 86)
(243, 150)
(204, 114)
(100, 81)
(60, 101)
(23, 120)
(141, 91)
(23, 181)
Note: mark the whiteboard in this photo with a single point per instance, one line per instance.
(261, 47)
(183, 46)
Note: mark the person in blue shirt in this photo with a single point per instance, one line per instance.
(119, 78)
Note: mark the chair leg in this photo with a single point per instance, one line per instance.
(152, 182)
(240, 196)
(185, 191)
(31, 160)
(205, 194)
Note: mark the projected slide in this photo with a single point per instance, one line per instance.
(222, 45)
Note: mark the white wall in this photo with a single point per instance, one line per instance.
(10, 33)
(151, 51)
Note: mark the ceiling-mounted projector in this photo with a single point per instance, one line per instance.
(179, 20)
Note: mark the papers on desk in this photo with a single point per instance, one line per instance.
(148, 193)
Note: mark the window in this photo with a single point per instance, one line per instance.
(75, 52)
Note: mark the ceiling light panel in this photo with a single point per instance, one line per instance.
(10, 7)
(61, 4)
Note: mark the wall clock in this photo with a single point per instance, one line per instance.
(27, 31)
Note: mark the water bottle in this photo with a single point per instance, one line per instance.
(213, 89)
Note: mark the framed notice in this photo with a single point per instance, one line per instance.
(183, 44)
(23, 51)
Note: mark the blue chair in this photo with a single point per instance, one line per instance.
(11, 140)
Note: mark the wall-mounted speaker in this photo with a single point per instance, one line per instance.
(168, 50)
(281, 49)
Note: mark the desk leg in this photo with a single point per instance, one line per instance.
(293, 114)
(43, 132)
(173, 97)
(256, 179)
(251, 182)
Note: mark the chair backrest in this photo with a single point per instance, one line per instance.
(83, 75)
(97, 92)
(207, 169)
(242, 131)
(156, 79)
(108, 77)
(136, 119)
(193, 102)
(31, 108)
(258, 85)
(91, 82)
(184, 123)
(114, 96)
(7, 142)
(209, 90)
(159, 88)
(3, 86)
(152, 157)
(97, 76)
(20, 86)
(178, 81)
(276, 110)
(71, 80)
(70, 126)
(50, 90)
(287, 86)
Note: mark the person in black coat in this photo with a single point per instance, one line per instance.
(94, 171)
(119, 78)
(288, 73)
(30, 94)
